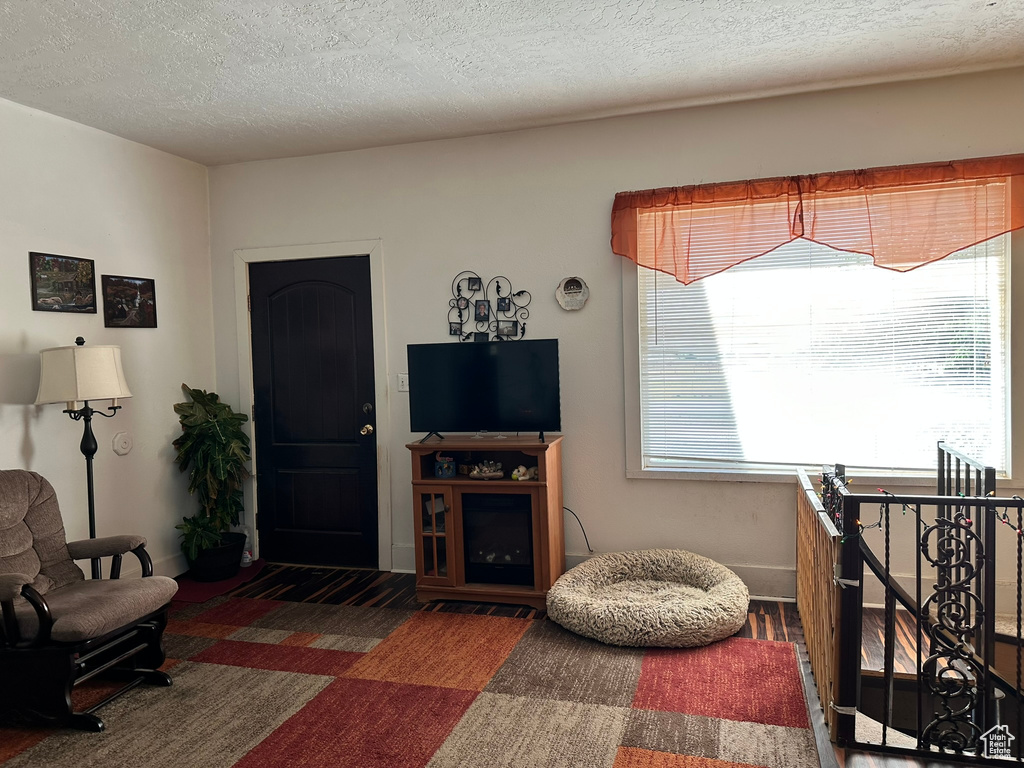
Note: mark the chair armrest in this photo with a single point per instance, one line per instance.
(11, 584)
(113, 547)
(11, 632)
(108, 546)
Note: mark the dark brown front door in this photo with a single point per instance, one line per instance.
(314, 415)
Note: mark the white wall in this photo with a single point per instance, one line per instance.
(534, 206)
(75, 191)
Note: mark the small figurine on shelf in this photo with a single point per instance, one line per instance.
(487, 470)
(444, 466)
(522, 473)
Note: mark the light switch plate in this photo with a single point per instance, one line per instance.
(403, 382)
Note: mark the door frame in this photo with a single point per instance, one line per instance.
(246, 256)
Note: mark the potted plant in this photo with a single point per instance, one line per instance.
(214, 450)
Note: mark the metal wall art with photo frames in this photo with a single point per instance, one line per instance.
(477, 312)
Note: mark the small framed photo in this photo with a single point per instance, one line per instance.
(474, 284)
(482, 310)
(454, 329)
(481, 336)
(62, 283)
(462, 303)
(504, 303)
(128, 302)
(508, 328)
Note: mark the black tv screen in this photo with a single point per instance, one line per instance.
(506, 386)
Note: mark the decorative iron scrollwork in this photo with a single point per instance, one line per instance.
(951, 672)
(471, 305)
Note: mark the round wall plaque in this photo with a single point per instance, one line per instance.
(572, 293)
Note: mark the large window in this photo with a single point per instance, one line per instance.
(784, 343)
(807, 355)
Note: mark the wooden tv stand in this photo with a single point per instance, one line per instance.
(438, 509)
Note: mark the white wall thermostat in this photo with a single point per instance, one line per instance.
(122, 443)
(572, 293)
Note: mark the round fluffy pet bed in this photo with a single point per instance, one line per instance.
(654, 597)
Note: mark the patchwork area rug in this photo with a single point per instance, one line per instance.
(264, 683)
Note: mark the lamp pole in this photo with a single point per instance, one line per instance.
(89, 447)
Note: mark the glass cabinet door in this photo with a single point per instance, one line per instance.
(433, 506)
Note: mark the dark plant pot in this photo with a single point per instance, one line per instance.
(221, 562)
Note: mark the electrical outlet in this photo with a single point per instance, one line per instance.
(403, 382)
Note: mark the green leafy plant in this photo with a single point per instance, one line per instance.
(214, 450)
(197, 533)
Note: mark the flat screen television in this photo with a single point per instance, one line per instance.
(497, 386)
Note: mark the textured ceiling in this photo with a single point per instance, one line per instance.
(222, 82)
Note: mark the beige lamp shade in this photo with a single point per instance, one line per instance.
(75, 374)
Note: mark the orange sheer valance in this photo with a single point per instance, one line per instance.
(902, 216)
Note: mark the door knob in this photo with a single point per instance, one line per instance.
(367, 430)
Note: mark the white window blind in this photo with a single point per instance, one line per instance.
(808, 355)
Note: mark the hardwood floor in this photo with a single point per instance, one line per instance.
(344, 586)
(766, 620)
(873, 634)
(868, 760)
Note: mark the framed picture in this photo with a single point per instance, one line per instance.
(481, 336)
(474, 284)
(62, 283)
(128, 302)
(504, 303)
(508, 328)
(454, 329)
(463, 302)
(482, 310)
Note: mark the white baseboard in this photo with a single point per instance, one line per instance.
(171, 565)
(769, 583)
(403, 558)
(766, 582)
(571, 561)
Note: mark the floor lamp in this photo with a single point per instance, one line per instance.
(77, 375)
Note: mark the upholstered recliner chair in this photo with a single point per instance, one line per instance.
(57, 628)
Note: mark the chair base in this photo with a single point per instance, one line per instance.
(89, 721)
(86, 721)
(38, 681)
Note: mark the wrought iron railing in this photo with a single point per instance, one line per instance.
(959, 699)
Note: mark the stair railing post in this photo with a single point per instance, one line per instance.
(988, 603)
(851, 593)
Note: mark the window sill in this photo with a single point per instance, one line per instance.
(1007, 487)
(719, 475)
